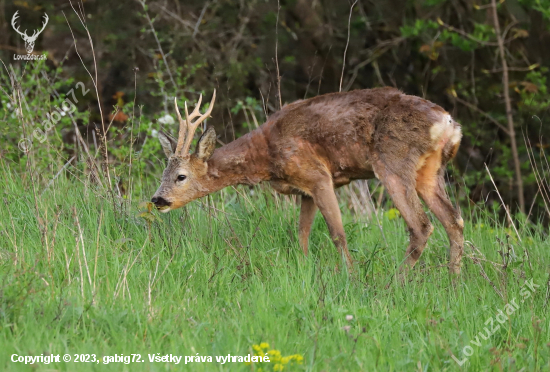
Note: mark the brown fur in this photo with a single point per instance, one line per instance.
(313, 146)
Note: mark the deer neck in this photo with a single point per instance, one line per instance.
(243, 161)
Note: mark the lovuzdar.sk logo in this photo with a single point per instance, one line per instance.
(29, 40)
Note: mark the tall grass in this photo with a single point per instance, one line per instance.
(82, 275)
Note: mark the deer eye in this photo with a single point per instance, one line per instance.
(181, 177)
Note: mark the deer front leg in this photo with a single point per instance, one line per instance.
(325, 198)
(307, 214)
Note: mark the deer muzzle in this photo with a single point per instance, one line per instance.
(162, 204)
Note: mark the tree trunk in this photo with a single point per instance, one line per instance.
(509, 117)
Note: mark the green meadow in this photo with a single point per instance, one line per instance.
(85, 272)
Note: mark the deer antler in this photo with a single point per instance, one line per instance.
(183, 127)
(24, 34)
(184, 139)
(46, 19)
(13, 20)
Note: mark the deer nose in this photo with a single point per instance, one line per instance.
(160, 202)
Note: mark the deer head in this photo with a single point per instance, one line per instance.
(29, 40)
(184, 178)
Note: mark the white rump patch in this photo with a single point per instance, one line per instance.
(444, 130)
(457, 136)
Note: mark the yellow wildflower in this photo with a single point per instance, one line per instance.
(258, 350)
(277, 361)
(298, 358)
(274, 355)
(393, 214)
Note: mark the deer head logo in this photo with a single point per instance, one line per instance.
(29, 40)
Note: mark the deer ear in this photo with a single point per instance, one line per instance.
(168, 144)
(206, 145)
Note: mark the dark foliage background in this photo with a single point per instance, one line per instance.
(445, 51)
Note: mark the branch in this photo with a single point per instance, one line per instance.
(524, 69)
(508, 104)
(277, 55)
(502, 201)
(377, 52)
(468, 36)
(347, 44)
(196, 29)
(478, 110)
(142, 2)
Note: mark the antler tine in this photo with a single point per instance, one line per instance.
(192, 127)
(183, 126)
(13, 20)
(196, 111)
(37, 32)
(46, 19)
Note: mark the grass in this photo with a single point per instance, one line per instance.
(227, 273)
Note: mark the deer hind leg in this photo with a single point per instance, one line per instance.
(325, 198)
(430, 184)
(307, 214)
(402, 190)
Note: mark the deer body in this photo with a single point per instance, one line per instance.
(313, 146)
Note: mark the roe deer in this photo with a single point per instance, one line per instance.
(313, 146)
